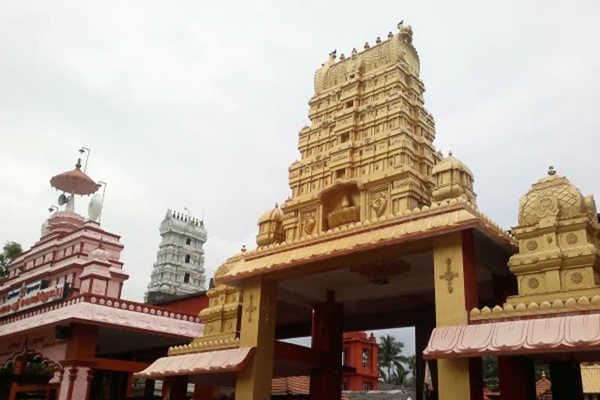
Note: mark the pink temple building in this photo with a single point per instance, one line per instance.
(65, 332)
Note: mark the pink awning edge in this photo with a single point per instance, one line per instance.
(217, 361)
(542, 335)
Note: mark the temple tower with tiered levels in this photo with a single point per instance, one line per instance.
(368, 151)
(179, 267)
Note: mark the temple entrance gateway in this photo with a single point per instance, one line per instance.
(382, 231)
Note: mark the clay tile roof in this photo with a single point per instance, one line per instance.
(542, 388)
(381, 395)
(293, 385)
(590, 377)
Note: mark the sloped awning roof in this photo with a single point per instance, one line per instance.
(560, 334)
(590, 377)
(290, 385)
(217, 361)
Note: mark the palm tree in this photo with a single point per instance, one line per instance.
(411, 368)
(391, 359)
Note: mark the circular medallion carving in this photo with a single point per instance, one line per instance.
(531, 245)
(576, 277)
(229, 325)
(571, 239)
(533, 283)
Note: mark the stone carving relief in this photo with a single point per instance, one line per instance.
(341, 204)
(250, 308)
(533, 283)
(571, 238)
(576, 278)
(379, 201)
(309, 221)
(380, 273)
(449, 275)
(547, 206)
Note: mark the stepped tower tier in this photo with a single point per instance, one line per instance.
(368, 151)
(179, 267)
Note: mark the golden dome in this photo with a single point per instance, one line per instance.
(453, 179)
(451, 163)
(270, 227)
(272, 215)
(552, 196)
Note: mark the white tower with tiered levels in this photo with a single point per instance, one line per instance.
(179, 267)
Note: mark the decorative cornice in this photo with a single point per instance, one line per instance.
(150, 316)
(533, 309)
(204, 345)
(435, 208)
(418, 217)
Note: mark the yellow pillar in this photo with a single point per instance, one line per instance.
(259, 311)
(455, 293)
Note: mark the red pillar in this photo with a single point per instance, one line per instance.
(566, 380)
(422, 335)
(20, 367)
(203, 392)
(517, 378)
(149, 388)
(178, 388)
(327, 339)
(471, 301)
(166, 387)
(129, 388)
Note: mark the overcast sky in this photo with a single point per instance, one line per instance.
(198, 104)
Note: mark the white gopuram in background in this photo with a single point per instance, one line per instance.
(179, 267)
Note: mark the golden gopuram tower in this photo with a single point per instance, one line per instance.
(369, 149)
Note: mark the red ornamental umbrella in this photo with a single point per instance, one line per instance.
(74, 182)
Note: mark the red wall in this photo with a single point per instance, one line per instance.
(189, 305)
(364, 378)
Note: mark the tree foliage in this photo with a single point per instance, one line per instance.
(394, 367)
(10, 251)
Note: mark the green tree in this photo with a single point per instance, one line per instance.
(10, 251)
(391, 360)
(399, 376)
(411, 369)
(542, 370)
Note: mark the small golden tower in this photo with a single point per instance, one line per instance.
(558, 242)
(270, 228)
(453, 179)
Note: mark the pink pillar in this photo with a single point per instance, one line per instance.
(76, 383)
